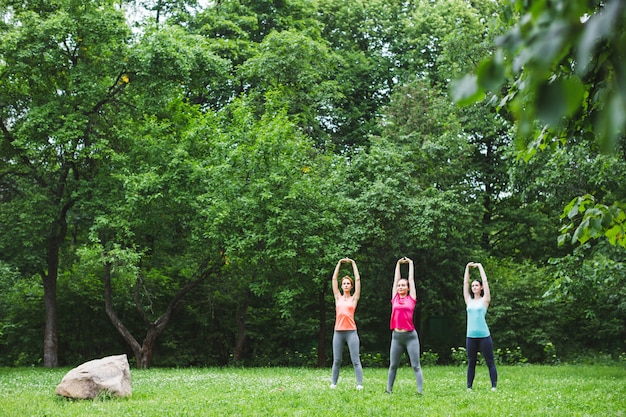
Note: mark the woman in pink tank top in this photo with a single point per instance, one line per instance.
(403, 334)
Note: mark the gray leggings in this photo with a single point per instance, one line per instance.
(351, 337)
(399, 342)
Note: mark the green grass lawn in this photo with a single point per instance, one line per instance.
(566, 390)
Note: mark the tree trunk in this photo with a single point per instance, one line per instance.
(55, 238)
(241, 329)
(50, 341)
(110, 311)
(321, 341)
(144, 355)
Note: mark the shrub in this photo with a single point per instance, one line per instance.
(510, 357)
(550, 351)
(372, 360)
(459, 356)
(429, 358)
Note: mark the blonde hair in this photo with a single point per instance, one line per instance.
(348, 278)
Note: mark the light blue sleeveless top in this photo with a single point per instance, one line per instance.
(476, 323)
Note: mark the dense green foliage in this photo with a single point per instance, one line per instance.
(572, 390)
(563, 65)
(178, 183)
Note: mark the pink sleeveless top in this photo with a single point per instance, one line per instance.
(402, 313)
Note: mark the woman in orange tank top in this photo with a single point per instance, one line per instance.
(345, 326)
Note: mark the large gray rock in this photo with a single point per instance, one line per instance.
(110, 375)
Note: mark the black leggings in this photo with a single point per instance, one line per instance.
(485, 344)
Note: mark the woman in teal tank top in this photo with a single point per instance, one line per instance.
(477, 298)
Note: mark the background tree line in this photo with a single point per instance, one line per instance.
(178, 182)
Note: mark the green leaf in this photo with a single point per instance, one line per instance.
(607, 219)
(559, 99)
(571, 210)
(582, 232)
(595, 30)
(466, 90)
(595, 226)
(562, 239)
(610, 125)
(585, 201)
(614, 233)
(573, 92)
(490, 74)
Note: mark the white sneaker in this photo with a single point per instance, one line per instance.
(359, 387)
(469, 390)
(333, 386)
(493, 388)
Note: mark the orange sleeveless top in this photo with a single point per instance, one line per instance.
(344, 314)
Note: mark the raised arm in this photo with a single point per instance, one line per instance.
(467, 294)
(335, 284)
(396, 278)
(357, 282)
(483, 277)
(412, 287)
